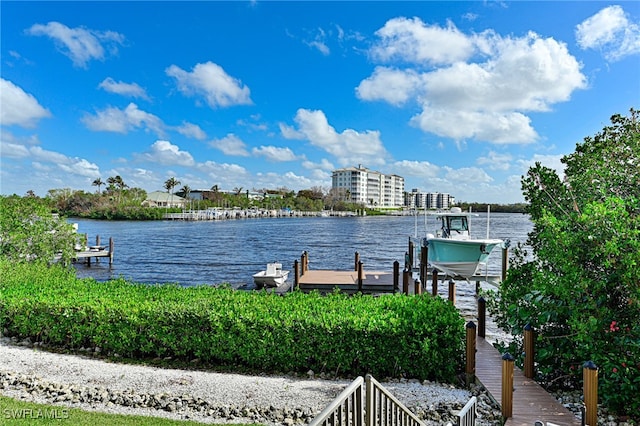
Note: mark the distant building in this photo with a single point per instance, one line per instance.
(163, 199)
(428, 200)
(369, 187)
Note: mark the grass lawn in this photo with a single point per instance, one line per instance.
(15, 412)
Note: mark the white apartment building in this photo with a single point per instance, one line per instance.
(369, 187)
(428, 200)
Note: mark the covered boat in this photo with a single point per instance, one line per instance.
(452, 250)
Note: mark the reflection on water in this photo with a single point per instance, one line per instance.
(192, 253)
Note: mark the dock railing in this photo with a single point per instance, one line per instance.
(376, 406)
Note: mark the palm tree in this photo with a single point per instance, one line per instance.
(169, 184)
(184, 192)
(117, 184)
(98, 182)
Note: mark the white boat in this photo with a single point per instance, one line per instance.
(273, 276)
(452, 251)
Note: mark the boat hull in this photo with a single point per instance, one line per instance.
(459, 258)
(261, 279)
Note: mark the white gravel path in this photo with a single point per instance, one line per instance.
(309, 395)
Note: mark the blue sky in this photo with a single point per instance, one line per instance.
(457, 97)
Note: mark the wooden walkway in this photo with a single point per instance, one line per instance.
(530, 401)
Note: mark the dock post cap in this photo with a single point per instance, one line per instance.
(527, 327)
(508, 357)
(471, 324)
(590, 365)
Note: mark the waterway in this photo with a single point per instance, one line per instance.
(231, 251)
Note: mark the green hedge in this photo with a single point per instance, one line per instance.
(388, 336)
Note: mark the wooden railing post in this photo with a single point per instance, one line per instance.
(302, 263)
(296, 274)
(360, 275)
(590, 390)
(306, 261)
(471, 352)
(482, 316)
(452, 292)
(434, 282)
(417, 287)
(357, 260)
(529, 351)
(396, 276)
(507, 385)
(410, 254)
(405, 281)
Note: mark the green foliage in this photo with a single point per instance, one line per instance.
(386, 336)
(581, 292)
(29, 231)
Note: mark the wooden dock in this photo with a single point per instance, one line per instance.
(326, 281)
(530, 401)
(95, 252)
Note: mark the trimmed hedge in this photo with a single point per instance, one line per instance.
(387, 336)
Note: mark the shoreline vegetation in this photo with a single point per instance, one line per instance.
(120, 202)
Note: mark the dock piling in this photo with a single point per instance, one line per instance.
(590, 390)
(396, 276)
(507, 385)
(470, 369)
(529, 351)
(434, 282)
(482, 316)
(452, 292)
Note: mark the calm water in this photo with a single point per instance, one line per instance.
(192, 253)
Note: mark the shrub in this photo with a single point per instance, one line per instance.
(388, 336)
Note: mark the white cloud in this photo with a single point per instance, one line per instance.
(496, 161)
(164, 152)
(132, 90)
(411, 40)
(485, 86)
(191, 130)
(348, 147)
(225, 175)
(324, 164)
(112, 119)
(43, 159)
(551, 161)
(421, 169)
(391, 85)
(274, 153)
(319, 43)
(19, 107)
(210, 81)
(230, 145)
(611, 32)
(499, 128)
(80, 44)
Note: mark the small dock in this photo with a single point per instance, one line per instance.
(95, 251)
